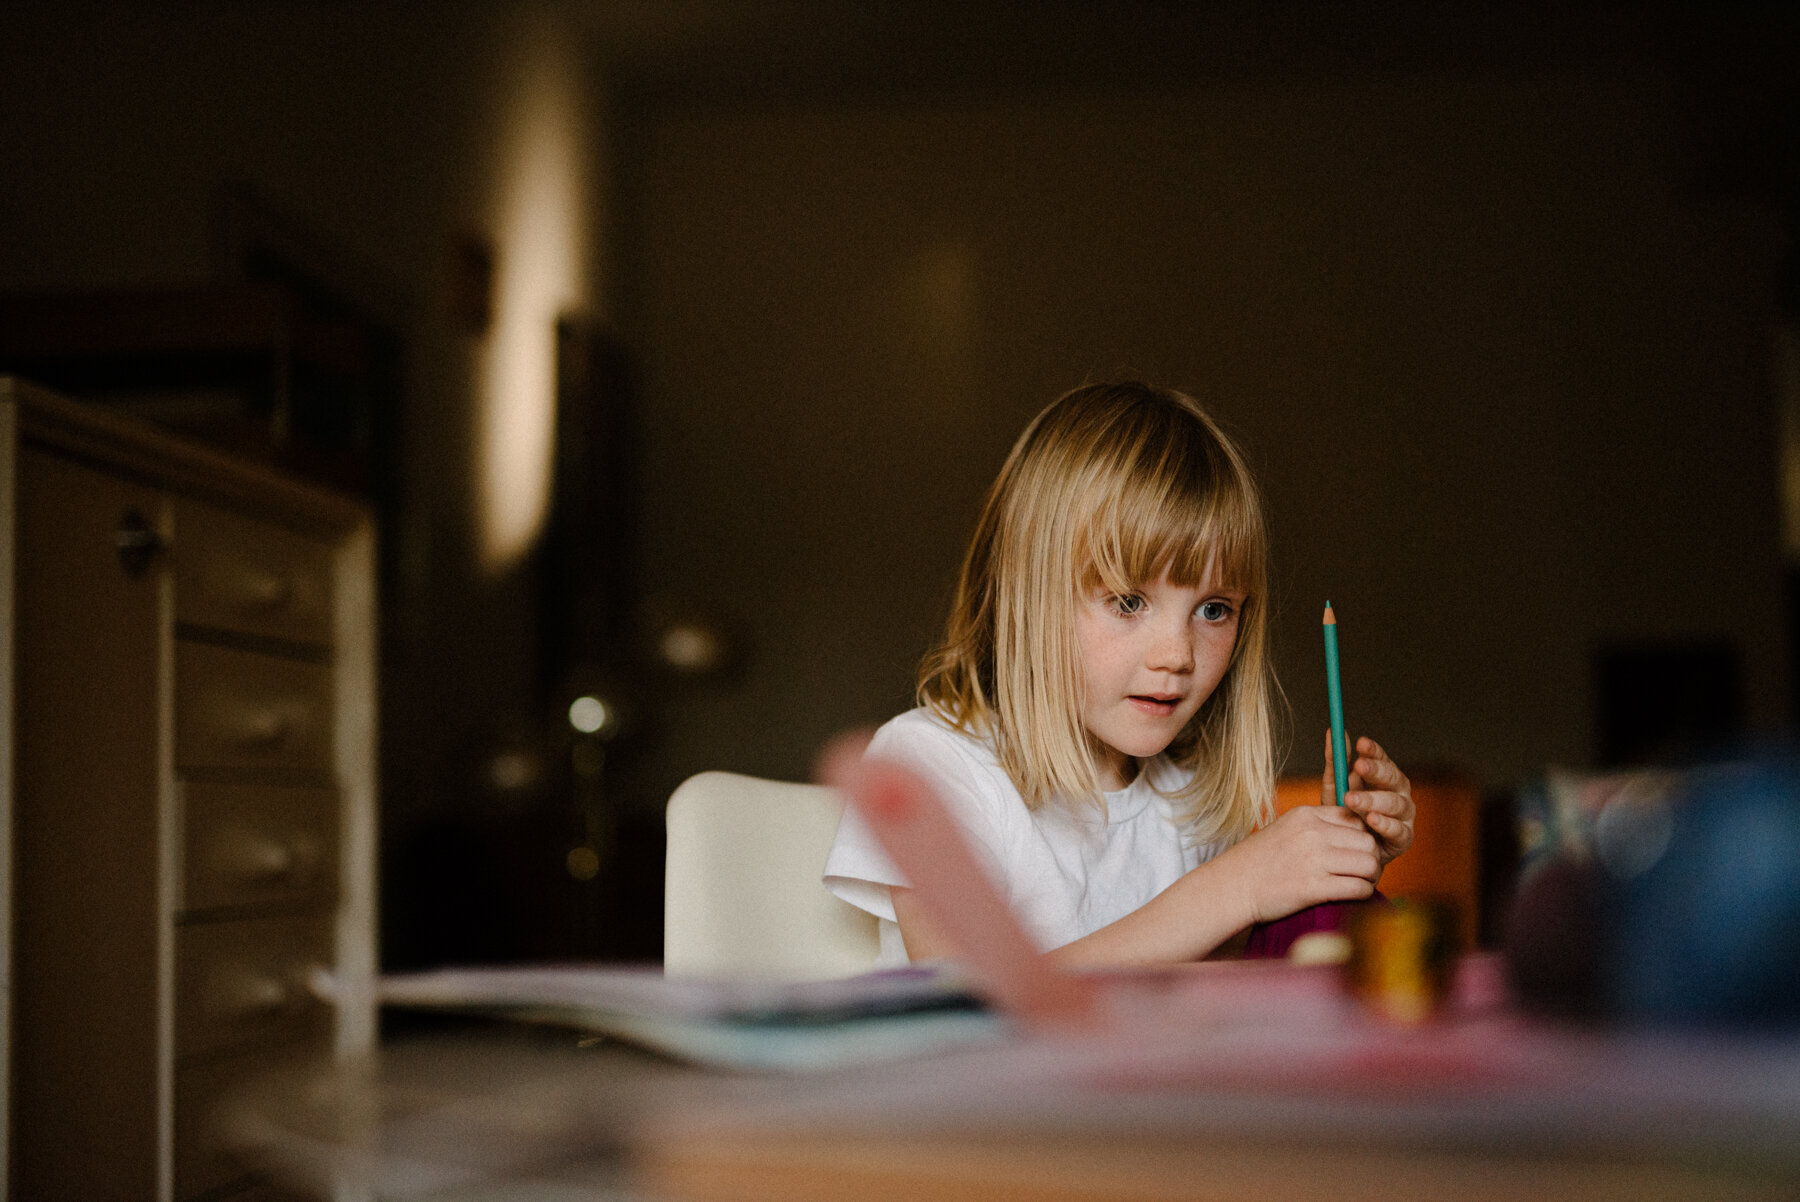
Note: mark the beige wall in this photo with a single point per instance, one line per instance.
(1507, 380)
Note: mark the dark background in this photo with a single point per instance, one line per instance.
(716, 319)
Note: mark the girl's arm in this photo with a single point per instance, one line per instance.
(922, 942)
(1308, 855)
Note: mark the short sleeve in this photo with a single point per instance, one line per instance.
(857, 870)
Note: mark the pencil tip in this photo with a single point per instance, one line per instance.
(1330, 618)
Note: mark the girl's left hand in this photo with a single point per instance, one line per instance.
(1379, 793)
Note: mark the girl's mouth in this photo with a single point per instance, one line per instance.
(1161, 707)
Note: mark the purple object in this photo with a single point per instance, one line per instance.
(1271, 940)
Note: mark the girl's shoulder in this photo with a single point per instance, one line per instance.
(925, 731)
(959, 764)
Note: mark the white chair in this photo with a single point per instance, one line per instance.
(742, 895)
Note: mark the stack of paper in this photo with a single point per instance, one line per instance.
(732, 1024)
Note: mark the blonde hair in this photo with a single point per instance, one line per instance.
(1112, 484)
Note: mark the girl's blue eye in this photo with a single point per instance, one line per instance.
(1215, 611)
(1131, 603)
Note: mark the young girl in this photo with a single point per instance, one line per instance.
(1098, 715)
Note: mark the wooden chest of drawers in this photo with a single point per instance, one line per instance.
(188, 796)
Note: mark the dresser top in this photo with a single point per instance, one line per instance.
(129, 446)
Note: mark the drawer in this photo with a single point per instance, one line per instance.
(205, 1095)
(245, 845)
(237, 573)
(239, 983)
(243, 709)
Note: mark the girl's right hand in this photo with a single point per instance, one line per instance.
(1308, 855)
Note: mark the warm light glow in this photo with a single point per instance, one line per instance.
(939, 287)
(583, 863)
(541, 270)
(935, 319)
(588, 714)
(691, 647)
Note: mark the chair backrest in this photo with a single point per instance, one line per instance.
(742, 895)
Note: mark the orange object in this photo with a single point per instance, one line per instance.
(1444, 860)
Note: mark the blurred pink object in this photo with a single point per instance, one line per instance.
(954, 892)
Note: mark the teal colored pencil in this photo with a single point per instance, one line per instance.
(1334, 691)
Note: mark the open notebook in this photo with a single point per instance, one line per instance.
(727, 1024)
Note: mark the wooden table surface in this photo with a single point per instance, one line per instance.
(1488, 1108)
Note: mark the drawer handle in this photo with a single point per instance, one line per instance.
(260, 732)
(263, 860)
(265, 592)
(248, 993)
(239, 995)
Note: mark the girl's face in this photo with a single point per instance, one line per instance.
(1149, 660)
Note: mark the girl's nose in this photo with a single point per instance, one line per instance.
(1172, 650)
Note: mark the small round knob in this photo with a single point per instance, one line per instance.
(266, 591)
(267, 729)
(259, 859)
(241, 992)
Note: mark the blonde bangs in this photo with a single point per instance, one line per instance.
(1173, 498)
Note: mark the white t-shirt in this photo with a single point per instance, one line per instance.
(1065, 868)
